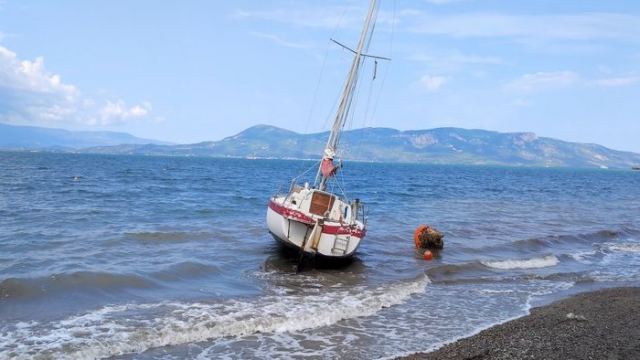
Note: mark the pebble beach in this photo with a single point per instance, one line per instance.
(603, 324)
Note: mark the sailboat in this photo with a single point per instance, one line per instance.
(312, 219)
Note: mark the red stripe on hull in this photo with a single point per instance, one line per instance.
(303, 218)
(290, 213)
(343, 230)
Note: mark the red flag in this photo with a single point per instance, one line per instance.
(327, 168)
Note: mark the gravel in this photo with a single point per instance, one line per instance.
(603, 324)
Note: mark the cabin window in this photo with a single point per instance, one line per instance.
(321, 203)
(346, 215)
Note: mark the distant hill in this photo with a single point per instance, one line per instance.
(438, 146)
(32, 137)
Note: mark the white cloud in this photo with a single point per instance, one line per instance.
(443, 2)
(539, 81)
(521, 102)
(618, 81)
(458, 58)
(542, 81)
(114, 112)
(323, 17)
(583, 26)
(316, 17)
(454, 61)
(280, 41)
(30, 75)
(476, 59)
(432, 83)
(30, 94)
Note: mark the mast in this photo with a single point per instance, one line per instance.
(347, 93)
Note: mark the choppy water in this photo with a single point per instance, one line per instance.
(147, 257)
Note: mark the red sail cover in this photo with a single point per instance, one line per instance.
(327, 168)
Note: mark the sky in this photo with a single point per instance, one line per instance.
(193, 71)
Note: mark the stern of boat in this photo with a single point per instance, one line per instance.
(329, 236)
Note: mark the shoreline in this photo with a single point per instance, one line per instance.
(601, 324)
(498, 165)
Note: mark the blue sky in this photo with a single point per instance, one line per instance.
(202, 70)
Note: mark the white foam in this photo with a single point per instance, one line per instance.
(583, 256)
(123, 329)
(539, 289)
(625, 247)
(534, 263)
(491, 291)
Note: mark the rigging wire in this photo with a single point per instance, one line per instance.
(368, 113)
(361, 61)
(354, 103)
(322, 69)
(384, 75)
(357, 89)
(344, 193)
(315, 92)
(295, 179)
(314, 100)
(385, 72)
(332, 112)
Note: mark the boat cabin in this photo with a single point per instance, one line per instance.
(320, 204)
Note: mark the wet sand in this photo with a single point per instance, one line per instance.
(603, 324)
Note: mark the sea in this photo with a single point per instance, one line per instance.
(141, 257)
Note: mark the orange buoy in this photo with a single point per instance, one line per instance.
(416, 234)
(428, 255)
(427, 237)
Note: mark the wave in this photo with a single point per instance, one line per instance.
(558, 244)
(134, 328)
(567, 277)
(169, 236)
(477, 272)
(583, 256)
(555, 240)
(448, 271)
(625, 247)
(598, 252)
(42, 286)
(185, 270)
(534, 263)
(90, 280)
(492, 291)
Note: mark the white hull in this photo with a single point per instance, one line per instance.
(311, 219)
(298, 229)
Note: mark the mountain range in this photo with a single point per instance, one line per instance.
(32, 137)
(437, 146)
